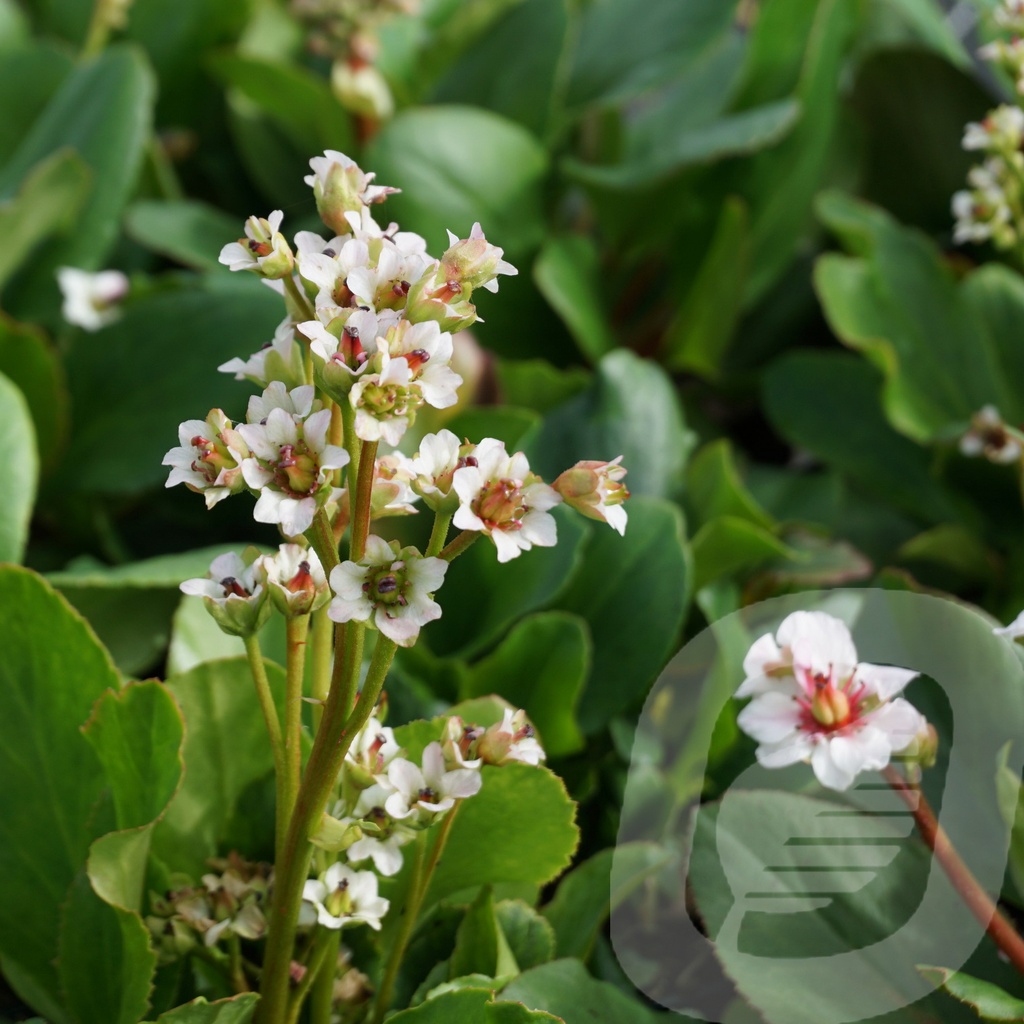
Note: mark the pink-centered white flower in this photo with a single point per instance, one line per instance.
(280, 360)
(263, 250)
(385, 283)
(91, 301)
(234, 593)
(342, 350)
(511, 739)
(433, 467)
(340, 187)
(474, 262)
(209, 457)
(422, 793)
(815, 702)
(390, 587)
(502, 498)
(344, 897)
(296, 580)
(595, 490)
(292, 464)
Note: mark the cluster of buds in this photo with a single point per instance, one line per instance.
(229, 901)
(992, 207)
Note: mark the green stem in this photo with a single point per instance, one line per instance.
(323, 636)
(238, 980)
(363, 494)
(337, 731)
(297, 630)
(163, 171)
(303, 307)
(460, 544)
(321, 539)
(439, 533)
(418, 885)
(266, 700)
(317, 959)
(321, 999)
(352, 443)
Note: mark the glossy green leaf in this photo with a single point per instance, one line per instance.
(702, 329)
(989, 1001)
(568, 275)
(536, 384)
(715, 488)
(630, 409)
(633, 637)
(29, 77)
(300, 103)
(20, 467)
(470, 1006)
(52, 673)
(103, 110)
(188, 334)
(507, 423)
(225, 740)
(184, 230)
(540, 666)
(457, 165)
(945, 350)
(565, 989)
(829, 404)
(530, 937)
(519, 807)
(729, 546)
(236, 1010)
(593, 889)
(482, 598)
(480, 945)
(46, 203)
(30, 361)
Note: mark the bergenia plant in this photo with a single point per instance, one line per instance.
(365, 346)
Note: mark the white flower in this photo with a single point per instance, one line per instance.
(373, 748)
(391, 493)
(280, 360)
(386, 283)
(390, 586)
(423, 793)
(990, 437)
(340, 187)
(263, 250)
(208, 459)
(502, 498)
(1014, 630)
(91, 300)
(1009, 54)
(296, 580)
(1002, 131)
(474, 262)
(234, 593)
(298, 402)
(291, 460)
(511, 739)
(434, 465)
(343, 352)
(814, 702)
(595, 490)
(384, 848)
(328, 271)
(983, 211)
(366, 229)
(343, 897)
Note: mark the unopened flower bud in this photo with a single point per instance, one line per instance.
(334, 835)
(340, 187)
(511, 739)
(595, 489)
(473, 262)
(263, 250)
(234, 593)
(361, 88)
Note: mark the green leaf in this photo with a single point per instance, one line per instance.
(593, 889)
(989, 1001)
(482, 598)
(506, 423)
(184, 230)
(479, 944)
(236, 1010)
(1011, 808)
(225, 742)
(715, 488)
(829, 404)
(103, 110)
(728, 546)
(188, 334)
(53, 671)
(457, 165)
(633, 592)
(47, 201)
(782, 182)
(564, 988)
(299, 103)
(945, 350)
(530, 937)
(469, 1006)
(520, 807)
(29, 77)
(536, 384)
(568, 275)
(19, 464)
(29, 360)
(540, 666)
(630, 409)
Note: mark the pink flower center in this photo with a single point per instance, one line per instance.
(828, 706)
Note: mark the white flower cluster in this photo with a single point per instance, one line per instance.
(814, 701)
(389, 799)
(992, 207)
